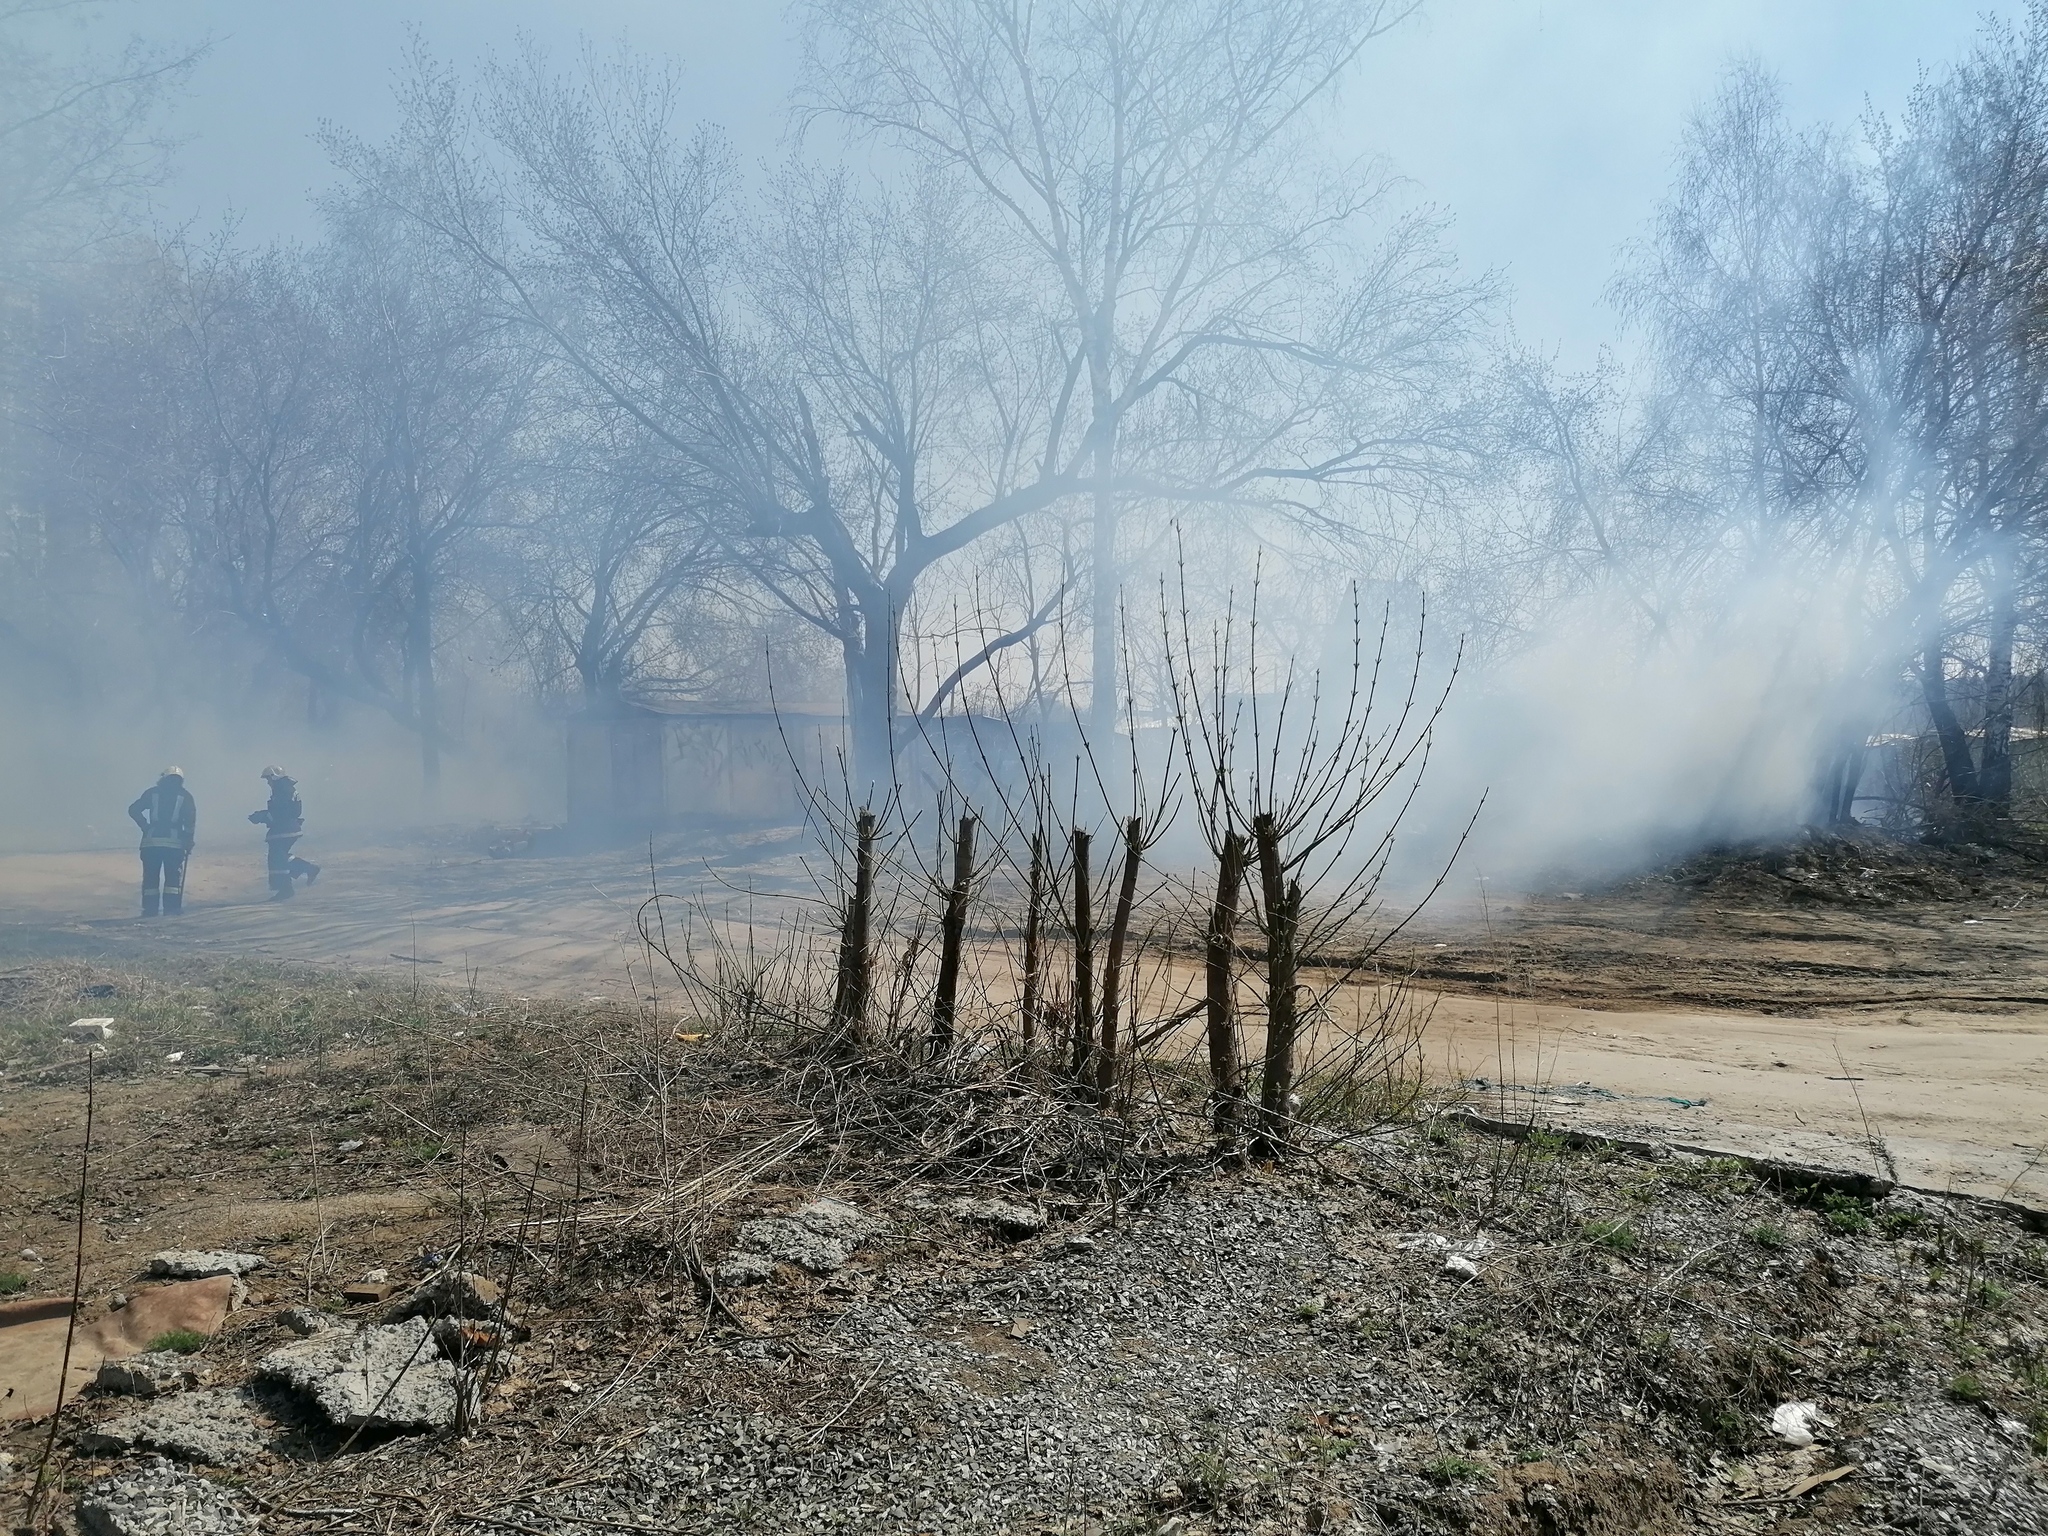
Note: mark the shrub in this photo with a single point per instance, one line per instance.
(1616, 1236)
(1845, 1214)
(1453, 1468)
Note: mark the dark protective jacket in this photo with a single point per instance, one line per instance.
(284, 816)
(167, 815)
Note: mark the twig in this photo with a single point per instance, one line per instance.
(35, 1498)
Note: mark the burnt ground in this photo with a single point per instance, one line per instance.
(1187, 1345)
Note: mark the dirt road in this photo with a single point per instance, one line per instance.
(443, 906)
(1915, 1034)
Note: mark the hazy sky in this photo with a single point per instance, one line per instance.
(1546, 127)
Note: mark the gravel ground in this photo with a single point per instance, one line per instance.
(1289, 1352)
(1436, 1330)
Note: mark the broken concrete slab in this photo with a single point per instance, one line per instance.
(307, 1321)
(1007, 1218)
(159, 1499)
(201, 1264)
(218, 1428)
(820, 1236)
(380, 1377)
(154, 1373)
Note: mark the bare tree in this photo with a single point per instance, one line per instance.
(79, 140)
(440, 394)
(1226, 339)
(810, 392)
(612, 543)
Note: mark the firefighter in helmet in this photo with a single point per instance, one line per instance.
(284, 819)
(168, 818)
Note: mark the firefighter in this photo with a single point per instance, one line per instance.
(168, 818)
(284, 820)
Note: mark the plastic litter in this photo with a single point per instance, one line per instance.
(1795, 1423)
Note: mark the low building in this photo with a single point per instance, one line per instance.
(637, 766)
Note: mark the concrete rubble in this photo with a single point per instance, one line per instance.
(379, 1377)
(151, 1374)
(158, 1499)
(454, 1293)
(1005, 1217)
(218, 1428)
(745, 1269)
(307, 1321)
(819, 1237)
(198, 1264)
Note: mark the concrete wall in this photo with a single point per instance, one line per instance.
(642, 768)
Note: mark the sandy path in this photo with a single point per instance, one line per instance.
(1957, 1099)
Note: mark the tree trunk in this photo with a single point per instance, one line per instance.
(952, 931)
(1226, 1061)
(1034, 910)
(1084, 962)
(1841, 772)
(426, 702)
(1282, 902)
(856, 956)
(870, 659)
(1955, 745)
(1994, 771)
(1112, 971)
(1103, 594)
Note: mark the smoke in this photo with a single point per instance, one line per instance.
(73, 765)
(1595, 751)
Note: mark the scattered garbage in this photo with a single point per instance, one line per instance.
(1459, 1258)
(350, 1146)
(175, 1056)
(1795, 1423)
(90, 1029)
(158, 1499)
